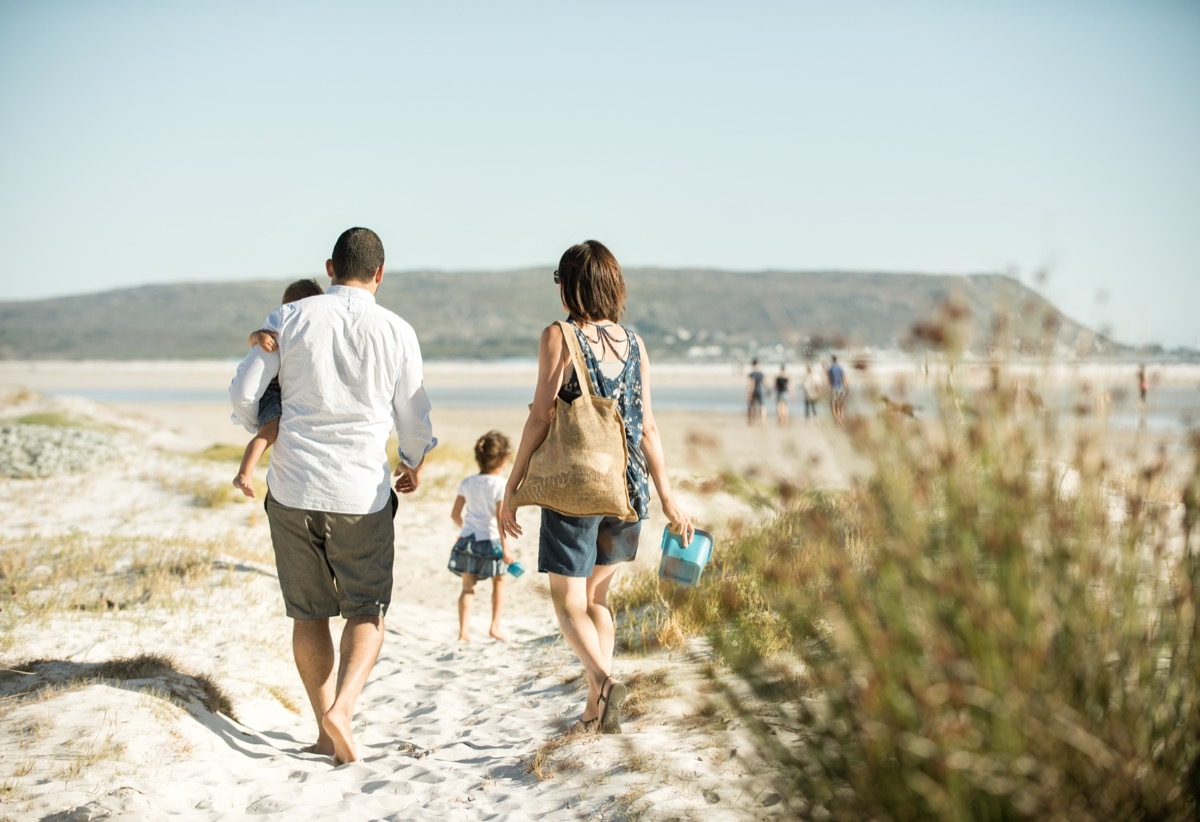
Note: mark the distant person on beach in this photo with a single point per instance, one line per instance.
(1143, 383)
(348, 370)
(269, 407)
(481, 551)
(582, 554)
(837, 391)
(756, 396)
(812, 392)
(781, 396)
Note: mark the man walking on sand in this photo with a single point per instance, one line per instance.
(348, 370)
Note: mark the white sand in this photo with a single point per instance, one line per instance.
(444, 730)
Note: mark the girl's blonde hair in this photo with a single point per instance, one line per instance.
(491, 450)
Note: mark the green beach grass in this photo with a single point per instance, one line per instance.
(1000, 624)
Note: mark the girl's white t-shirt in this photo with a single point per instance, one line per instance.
(481, 492)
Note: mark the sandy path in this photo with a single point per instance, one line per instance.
(445, 730)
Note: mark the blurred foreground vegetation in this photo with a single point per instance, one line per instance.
(1001, 624)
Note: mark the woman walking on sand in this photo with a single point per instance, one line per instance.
(582, 554)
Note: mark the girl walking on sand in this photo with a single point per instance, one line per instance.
(481, 551)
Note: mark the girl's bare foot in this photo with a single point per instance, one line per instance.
(244, 483)
(495, 633)
(464, 638)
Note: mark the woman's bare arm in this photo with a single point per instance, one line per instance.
(678, 519)
(508, 557)
(552, 359)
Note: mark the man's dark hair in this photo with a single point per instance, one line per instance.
(592, 285)
(301, 289)
(357, 255)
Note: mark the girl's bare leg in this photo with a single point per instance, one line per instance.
(497, 606)
(464, 607)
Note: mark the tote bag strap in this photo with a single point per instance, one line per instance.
(577, 360)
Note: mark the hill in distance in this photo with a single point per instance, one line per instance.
(681, 313)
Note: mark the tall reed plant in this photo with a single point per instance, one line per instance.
(1000, 624)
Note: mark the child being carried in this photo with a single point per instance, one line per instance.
(270, 407)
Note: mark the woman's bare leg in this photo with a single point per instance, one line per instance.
(570, 597)
(606, 632)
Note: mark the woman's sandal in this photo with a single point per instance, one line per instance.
(610, 714)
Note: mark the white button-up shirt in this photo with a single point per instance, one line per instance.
(348, 370)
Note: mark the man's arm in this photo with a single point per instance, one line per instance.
(410, 412)
(253, 376)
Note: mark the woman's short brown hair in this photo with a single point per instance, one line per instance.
(593, 287)
(491, 450)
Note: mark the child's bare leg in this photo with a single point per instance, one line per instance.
(258, 446)
(497, 606)
(464, 607)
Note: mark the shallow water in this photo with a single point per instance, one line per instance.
(1170, 410)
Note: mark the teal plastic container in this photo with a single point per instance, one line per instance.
(684, 563)
(516, 569)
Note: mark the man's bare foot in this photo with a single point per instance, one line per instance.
(244, 483)
(497, 635)
(324, 748)
(338, 728)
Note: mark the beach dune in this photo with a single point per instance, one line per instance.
(147, 665)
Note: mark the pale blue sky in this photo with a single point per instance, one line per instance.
(149, 142)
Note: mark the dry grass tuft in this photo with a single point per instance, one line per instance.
(544, 763)
(629, 805)
(284, 698)
(225, 452)
(208, 494)
(154, 674)
(646, 689)
(81, 572)
(58, 419)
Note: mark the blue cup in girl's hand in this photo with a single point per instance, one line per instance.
(516, 569)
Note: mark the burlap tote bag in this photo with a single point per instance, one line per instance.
(579, 470)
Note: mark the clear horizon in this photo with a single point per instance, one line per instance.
(157, 144)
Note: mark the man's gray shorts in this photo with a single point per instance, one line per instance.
(332, 564)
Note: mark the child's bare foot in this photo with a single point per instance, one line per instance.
(464, 638)
(245, 484)
(496, 634)
(338, 728)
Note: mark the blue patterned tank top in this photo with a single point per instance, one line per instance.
(626, 388)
